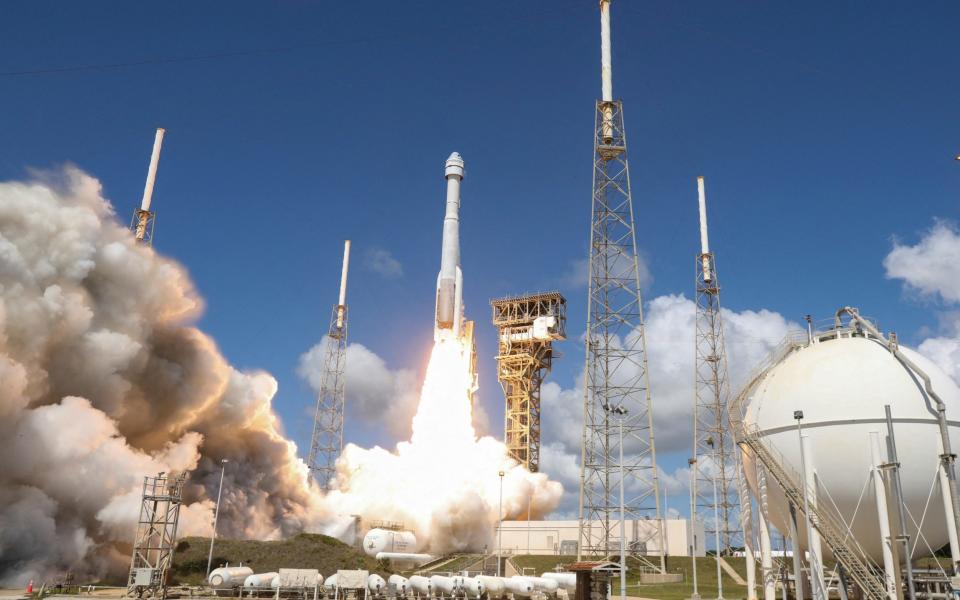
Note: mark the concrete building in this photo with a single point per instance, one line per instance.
(560, 537)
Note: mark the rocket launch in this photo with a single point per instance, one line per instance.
(449, 311)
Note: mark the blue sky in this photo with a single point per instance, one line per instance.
(824, 130)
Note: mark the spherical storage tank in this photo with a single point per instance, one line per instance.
(385, 540)
(841, 383)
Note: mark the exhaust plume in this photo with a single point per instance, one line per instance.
(103, 379)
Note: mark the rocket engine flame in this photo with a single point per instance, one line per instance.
(444, 482)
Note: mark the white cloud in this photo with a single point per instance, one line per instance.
(375, 394)
(932, 266)
(750, 336)
(578, 272)
(382, 261)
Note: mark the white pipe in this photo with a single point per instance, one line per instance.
(766, 551)
(883, 517)
(704, 239)
(152, 171)
(342, 304)
(948, 507)
(813, 536)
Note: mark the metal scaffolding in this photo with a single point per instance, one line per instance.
(616, 359)
(326, 442)
(527, 326)
(156, 535)
(715, 454)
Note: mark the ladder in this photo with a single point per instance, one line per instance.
(833, 531)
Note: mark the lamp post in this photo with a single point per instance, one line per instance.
(500, 527)
(620, 411)
(216, 515)
(716, 518)
(692, 465)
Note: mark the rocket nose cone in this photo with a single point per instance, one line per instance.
(454, 165)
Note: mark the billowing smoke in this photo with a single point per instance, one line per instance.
(103, 380)
(444, 483)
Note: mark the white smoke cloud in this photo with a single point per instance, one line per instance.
(444, 482)
(929, 267)
(103, 380)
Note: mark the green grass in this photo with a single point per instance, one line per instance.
(706, 577)
(304, 551)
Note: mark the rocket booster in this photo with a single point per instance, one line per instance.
(449, 314)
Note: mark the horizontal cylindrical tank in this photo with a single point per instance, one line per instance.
(376, 584)
(224, 577)
(421, 585)
(542, 584)
(404, 557)
(330, 582)
(443, 585)
(260, 580)
(399, 584)
(386, 540)
(841, 385)
(518, 586)
(494, 586)
(567, 581)
(472, 587)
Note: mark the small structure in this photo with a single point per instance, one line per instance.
(593, 579)
(156, 535)
(351, 584)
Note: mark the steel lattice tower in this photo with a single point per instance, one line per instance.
(527, 326)
(156, 536)
(326, 442)
(715, 452)
(616, 357)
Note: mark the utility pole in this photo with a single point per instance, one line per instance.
(216, 515)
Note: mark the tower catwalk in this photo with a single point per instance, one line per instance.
(715, 453)
(616, 389)
(327, 439)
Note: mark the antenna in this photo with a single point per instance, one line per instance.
(143, 217)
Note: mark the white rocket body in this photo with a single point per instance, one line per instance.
(449, 313)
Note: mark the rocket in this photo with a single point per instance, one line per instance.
(449, 313)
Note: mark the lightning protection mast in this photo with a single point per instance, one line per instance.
(327, 439)
(715, 457)
(616, 386)
(143, 217)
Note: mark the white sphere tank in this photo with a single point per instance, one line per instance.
(385, 540)
(260, 580)
(842, 385)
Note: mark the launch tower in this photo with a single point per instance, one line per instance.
(616, 388)
(156, 536)
(143, 218)
(527, 326)
(715, 454)
(326, 442)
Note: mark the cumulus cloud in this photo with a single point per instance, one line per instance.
(375, 393)
(931, 266)
(750, 336)
(383, 262)
(103, 379)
